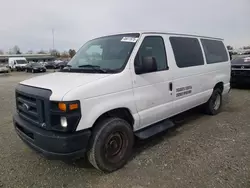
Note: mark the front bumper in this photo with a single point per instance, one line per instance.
(20, 68)
(240, 79)
(53, 145)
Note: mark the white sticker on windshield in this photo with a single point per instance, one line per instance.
(129, 39)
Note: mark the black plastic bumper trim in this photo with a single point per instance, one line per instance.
(53, 145)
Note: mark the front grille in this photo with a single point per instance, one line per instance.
(30, 108)
(241, 66)
(33, 105)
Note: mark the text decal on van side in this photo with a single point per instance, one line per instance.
(129, 39)
(181, 91)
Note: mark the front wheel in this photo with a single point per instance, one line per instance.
(213, 106)
(111, 144)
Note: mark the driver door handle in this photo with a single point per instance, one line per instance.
(170, 86)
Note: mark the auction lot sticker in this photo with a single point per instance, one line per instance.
(129, 39)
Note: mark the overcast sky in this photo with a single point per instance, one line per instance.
(29, 23)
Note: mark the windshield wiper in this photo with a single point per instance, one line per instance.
(94, 67)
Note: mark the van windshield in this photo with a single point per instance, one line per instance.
(103, 55)
(21, 61)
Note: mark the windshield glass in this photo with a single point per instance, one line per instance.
(21, 61)
(104, 55)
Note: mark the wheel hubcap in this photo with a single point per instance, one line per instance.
(115, 146)
(217, 102)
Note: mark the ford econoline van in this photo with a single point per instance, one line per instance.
(117, 88)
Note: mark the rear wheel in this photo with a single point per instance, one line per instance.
(111, 144)
(214, 104)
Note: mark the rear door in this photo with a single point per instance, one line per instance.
(153, 95)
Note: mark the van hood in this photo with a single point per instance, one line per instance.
(62, 82)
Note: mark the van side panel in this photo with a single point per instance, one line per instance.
(188, 82)
(218, 72)
(194, 85)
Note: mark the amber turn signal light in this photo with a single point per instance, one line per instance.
(62, 106)
(73, 106)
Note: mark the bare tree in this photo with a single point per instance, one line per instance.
(30, 52)
(246, 47)
(64, 54)
(72, 52)
(230, 47)
(15, 50)
(41, 52)
(55, 53)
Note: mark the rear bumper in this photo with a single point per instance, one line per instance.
(52, 145)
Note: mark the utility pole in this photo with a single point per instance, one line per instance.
(53, 39)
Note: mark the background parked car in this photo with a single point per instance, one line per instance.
(240, 70)
(61, 65)
(35, 67)
(51, 65)
(4, 68)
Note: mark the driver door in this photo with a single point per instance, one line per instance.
(153, 91)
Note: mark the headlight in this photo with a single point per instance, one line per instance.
(65, 116)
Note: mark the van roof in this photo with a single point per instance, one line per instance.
(168, 33)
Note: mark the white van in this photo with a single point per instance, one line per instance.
(17, 63)
(119, 87)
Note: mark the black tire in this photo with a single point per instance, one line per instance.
(108, 136)
(213, 106)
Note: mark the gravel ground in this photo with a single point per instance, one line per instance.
(201, 151)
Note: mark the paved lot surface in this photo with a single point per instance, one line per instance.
(201, 151)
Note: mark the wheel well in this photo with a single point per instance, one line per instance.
(219, 85)
(122, 113)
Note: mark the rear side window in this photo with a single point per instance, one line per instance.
(187, 51)
(215, 51)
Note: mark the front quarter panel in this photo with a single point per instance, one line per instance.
(102, 96)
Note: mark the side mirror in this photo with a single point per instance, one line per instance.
(148, 65)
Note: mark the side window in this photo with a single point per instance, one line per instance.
(187, 51)
(152, 46)
(215, 51)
